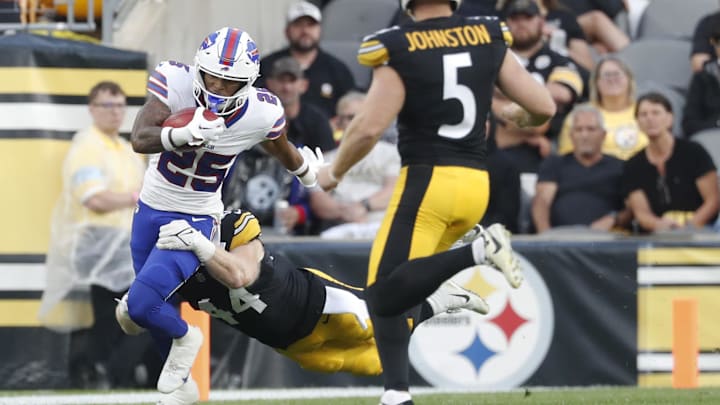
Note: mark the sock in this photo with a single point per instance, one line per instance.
(426, 312)
(413, 281)
(478, 250)
(392, 337)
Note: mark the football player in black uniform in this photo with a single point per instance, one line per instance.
(436, 74)
(321, 323)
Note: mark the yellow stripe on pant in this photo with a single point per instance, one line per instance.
(431, 207)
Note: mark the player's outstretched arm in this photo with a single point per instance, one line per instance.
(533, 104)
(384, 100)
(235, 269)
(303, 163)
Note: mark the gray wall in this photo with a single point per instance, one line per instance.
(173, 29)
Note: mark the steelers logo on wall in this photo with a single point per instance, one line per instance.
(500, 350)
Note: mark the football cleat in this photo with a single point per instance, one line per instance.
(499, 253)
(451, 297)
(183, 351)
(187, 394)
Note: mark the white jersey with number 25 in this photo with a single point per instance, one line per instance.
(190, 181)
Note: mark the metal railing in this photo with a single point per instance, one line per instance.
(111, 8)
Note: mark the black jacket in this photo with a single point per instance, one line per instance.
(702, 107)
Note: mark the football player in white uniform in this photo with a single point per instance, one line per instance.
(185, 173)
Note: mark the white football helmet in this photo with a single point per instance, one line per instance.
(405, 5)
(231, 54)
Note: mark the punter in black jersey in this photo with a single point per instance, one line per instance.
(320, 322)
(436, 74)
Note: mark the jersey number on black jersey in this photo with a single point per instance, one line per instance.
(240, 299)
(453, 89)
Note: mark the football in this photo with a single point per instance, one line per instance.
(181, 118)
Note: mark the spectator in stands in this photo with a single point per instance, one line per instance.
(612, 91)
(528, 147)
(328, 77)
(564, 34)
(307, 123)
(702, 50)
(596, 17)
(355, 208)
(89, 253)
(672, 183)
(581, 188)
(258, 180)
(504, 203)
(702, 106)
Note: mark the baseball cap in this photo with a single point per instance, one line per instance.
(303, 9)
(286, 66)
(527, 7)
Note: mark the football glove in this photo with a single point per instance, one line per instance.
(312, 162)
(179, 235)
(197, 132)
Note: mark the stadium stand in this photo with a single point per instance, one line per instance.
(710, 140)
(673, 18)
(663, 61)
(346, 51)
(352, 19)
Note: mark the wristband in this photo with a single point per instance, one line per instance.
(204, 249)
(166, 138)
(300, 170)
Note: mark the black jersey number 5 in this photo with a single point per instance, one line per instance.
(453, 89)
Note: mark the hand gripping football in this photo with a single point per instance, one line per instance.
(183, 117)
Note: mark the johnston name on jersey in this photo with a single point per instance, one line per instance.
(190, 181)
(448, 67)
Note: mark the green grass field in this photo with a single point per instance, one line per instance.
(559, 396)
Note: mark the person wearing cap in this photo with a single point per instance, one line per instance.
(307, 123)
(328, 77)
(702, 50)
(702, 108)
(262, 180)
(560, 75)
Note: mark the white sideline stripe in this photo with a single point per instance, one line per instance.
(664, 362)
(22, 277)
(678, 275)
(220, 395)
(57, 117)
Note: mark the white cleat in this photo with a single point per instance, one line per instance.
(499, 253)
(180, 360)
(451, 297)
(187, 394)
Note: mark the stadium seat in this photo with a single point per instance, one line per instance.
(710, 140)
(677, 100)
(353, 19)
(663, 61)
(346, 51)
(673, 18)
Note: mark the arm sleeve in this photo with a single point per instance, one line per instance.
(695, 118)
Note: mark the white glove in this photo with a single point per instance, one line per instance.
(179, 235)
(123, 318)
(312, 162)
(197, 132)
